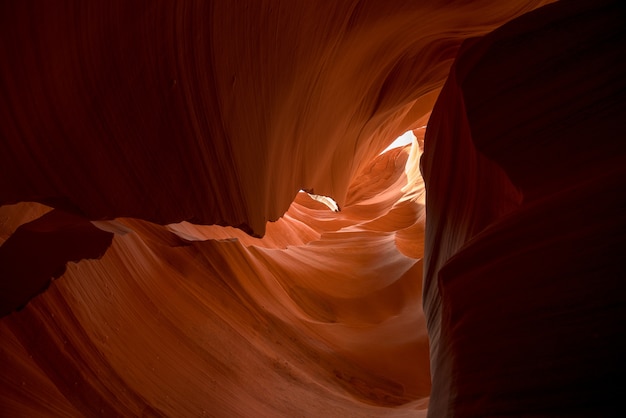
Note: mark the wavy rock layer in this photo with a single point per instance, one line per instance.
(178, 321)
(131, 134)
(213, 113)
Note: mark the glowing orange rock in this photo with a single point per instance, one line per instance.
(156, 122)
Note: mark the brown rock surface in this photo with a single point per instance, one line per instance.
(525, 172)
(145, 147)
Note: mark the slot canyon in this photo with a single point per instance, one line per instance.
(199, 214)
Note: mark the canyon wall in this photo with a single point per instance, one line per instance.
(525, 171)
(157, 257)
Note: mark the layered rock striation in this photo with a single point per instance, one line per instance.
(158, 259)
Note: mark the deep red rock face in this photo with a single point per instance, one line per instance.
(145, 147)
(524, 264)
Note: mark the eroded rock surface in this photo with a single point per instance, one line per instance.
(525, 171)
(145, 148)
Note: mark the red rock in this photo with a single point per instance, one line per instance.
(183, 128)
(525, 172)
(38, 252)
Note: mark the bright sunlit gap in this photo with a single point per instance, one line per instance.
(328, 201)
(404, 139)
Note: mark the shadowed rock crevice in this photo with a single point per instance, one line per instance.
(38, 251)
(525, 172)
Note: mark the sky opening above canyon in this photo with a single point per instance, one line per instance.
(405, 139)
